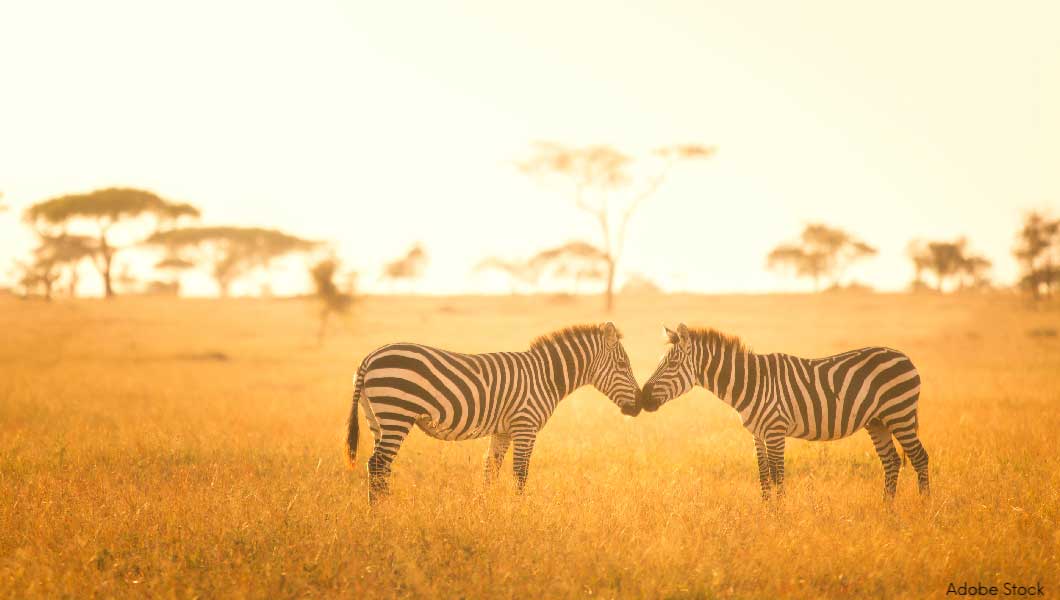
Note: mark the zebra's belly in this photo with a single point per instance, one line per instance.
(828, 432)
(822, 436)
(449, 432)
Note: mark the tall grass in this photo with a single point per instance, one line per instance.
(153, 447)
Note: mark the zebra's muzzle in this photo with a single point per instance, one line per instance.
(646, 400)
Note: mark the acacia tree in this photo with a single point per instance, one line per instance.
(519, 272)
(604, 187)
(333, 299)
(1038, 251)
(103, 211)
(640, 284)
(230, 252)
(949, 261)
(574, 261)
(174, 266)
(821, 252)
(921, 263)
(408, 267)
(50, 258)
(972, 272)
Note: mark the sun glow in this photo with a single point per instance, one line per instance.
(374, 128)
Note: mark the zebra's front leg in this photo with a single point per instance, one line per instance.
(499, 443)
(775, 446)
(763, 466)
(523, 442)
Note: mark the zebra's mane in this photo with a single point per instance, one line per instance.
(574, 331)
(712, 336)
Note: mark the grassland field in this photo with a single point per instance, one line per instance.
(155, 447)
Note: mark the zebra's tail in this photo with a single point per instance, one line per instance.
(352, 425)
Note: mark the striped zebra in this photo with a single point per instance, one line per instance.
(506, 395)
(780, 396)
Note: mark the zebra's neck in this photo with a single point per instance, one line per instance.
(564, 365)
(730, 372)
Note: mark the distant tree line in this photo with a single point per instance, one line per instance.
(104, 213)
(823, 254)
(81, 227)
(98, 227)
(229, 253)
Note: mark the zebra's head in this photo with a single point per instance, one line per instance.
(610, 372)
(676, 373)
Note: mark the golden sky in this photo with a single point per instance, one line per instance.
(377, 125)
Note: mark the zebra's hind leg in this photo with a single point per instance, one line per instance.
(499, 443)
(764, 474)
(906, 434)
(775, 447)
(881, 439)
(394, 428)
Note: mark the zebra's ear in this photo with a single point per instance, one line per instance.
(671, 335)
(610, 333)
(684, 338)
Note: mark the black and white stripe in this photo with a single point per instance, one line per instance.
(780, 396)
(507, 395)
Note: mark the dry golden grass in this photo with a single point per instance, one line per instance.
(133, 464)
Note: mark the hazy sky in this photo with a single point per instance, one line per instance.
(377, 125)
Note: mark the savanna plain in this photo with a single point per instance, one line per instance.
(157, 447)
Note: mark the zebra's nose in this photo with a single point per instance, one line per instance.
(646, 401)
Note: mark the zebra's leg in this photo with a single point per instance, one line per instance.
(881, 439)
(394, 428)
(906, 434)
(775, 446)
(763, 466)
(523, 442)
(499, 443)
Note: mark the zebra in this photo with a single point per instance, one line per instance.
(506, 395)
(780, 396)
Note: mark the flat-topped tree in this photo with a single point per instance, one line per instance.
(1038, 251)
(821, 251)
(519, 272)
(53, 255)
(230, 252)
(174, 266)
(950, 260)
(605, 188)
(575, 261)
(102, 211)
(408, 267)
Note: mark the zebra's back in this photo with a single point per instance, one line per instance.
(835, 396)
(450, 395)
